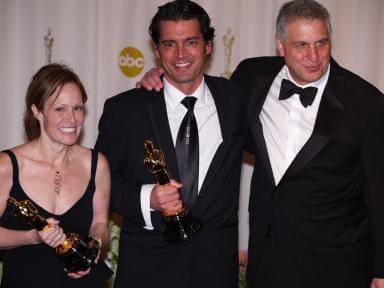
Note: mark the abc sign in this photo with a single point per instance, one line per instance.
(131, 61)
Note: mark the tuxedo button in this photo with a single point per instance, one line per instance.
(276, 196)
(268, 233)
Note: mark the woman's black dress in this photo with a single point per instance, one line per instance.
(38, 265)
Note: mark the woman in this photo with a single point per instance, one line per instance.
(69, 185)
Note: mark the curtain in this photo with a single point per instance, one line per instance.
(108, 46)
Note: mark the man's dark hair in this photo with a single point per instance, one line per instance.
(181, 10)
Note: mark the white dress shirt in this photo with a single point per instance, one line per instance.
(208, 124)
(287, 124)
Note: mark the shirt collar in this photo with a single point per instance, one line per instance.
(174, 96)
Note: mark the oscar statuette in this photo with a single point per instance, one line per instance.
(77, 253)
(180, 225)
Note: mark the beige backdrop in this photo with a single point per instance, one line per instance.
(92, 36)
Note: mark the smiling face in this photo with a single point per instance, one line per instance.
(183, 52)
(62, 117)
(306, 49)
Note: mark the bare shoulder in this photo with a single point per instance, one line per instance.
(6, 181)
(81, 151)
(84, 155)
(81, 155)
(21, 153)
(103, 176)
(6, 168)
(102, 159)
(102, 164)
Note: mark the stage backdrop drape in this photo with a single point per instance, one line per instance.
(107, 44)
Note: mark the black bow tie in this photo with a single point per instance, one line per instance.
(307, 95)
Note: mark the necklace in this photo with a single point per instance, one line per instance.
(58, 178)
(57, 182)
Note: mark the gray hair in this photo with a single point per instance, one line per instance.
(300, 9)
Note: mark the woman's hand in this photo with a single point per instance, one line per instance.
(52, 235)
(79, 274)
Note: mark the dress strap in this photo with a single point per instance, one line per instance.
(95, 157)
(15, 166)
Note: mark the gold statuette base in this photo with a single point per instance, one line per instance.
(181, 226)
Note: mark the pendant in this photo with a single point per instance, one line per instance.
(57, 182)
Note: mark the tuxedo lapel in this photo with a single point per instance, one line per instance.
(163, 138)
(258, 94)
(224, 112)
(328, 118)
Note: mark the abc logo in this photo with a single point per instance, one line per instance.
(131, 61)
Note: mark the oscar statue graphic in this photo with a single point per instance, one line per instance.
(228, 39)
(48, 43)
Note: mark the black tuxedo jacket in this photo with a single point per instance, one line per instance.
(322, 225)
(210, 259)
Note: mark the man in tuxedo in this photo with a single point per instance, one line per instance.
(316, 129)
(317, 203)
(182, 38)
